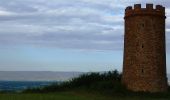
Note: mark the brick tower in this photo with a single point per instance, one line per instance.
(144, 66)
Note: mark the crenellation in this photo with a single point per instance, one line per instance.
(158, 7)
(163, 8)
(149, 6)
(128, 8)
(137, 7)
(159, 10)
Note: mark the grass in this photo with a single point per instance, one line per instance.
(37, 96)
(91, 86)
(72, 95)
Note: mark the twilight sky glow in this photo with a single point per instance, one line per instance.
(66, 35)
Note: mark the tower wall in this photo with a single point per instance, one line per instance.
(144, 66)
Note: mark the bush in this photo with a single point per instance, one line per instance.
(108, 83)
(110, 80)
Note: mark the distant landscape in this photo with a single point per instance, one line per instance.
(40, 75)
(20, 80)
(37, 75)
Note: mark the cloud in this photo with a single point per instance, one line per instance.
(75, 24)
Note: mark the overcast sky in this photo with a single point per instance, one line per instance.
(66, 35)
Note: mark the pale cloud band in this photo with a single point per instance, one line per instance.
(75, 24)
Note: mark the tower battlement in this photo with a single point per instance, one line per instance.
(159, 10)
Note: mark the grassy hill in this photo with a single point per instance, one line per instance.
(90, 86)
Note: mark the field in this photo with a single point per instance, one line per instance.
(71, 96)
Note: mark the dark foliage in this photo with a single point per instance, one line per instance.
(106, 81)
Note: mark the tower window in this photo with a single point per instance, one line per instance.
(142, 25)
(142, 46)
(142, 71)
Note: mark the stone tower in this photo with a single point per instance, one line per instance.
(144, 66)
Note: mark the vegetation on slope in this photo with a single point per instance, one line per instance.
(91, 81)
(89, 86)
(108, 84)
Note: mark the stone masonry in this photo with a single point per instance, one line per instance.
(144, 66)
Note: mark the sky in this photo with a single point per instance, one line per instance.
(66, 35)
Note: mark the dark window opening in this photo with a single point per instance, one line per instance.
(142, 25)
(142, 71)
(142, 46)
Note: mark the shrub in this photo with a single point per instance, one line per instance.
(104, 81)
